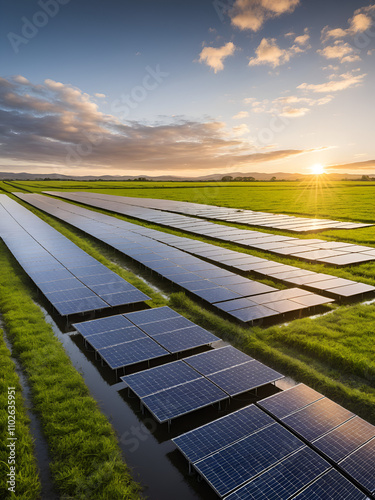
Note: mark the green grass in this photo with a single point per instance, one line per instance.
(86, 458)
(27, 479)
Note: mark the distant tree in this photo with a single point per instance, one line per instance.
(273, 179)
(238, 179)
(365, 178)
(249, 179)
(227, 178)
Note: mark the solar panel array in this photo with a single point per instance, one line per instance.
(207, 281)
(249, 455)
(246, 217)
(311, 250)
(338, 434)
(178, 388)
(326, 284)
(124, 340)
(71, 280)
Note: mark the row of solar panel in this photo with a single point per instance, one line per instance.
(312, 250)
(249, 217)
(175, 389)
(71, 280)
(127, 339)
(249, 455)
(221, 288)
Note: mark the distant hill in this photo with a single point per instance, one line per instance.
(259, 176)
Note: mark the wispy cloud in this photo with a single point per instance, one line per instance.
(214, 57)
(59, 125)
(240, 115)
(361, 21)
(336, 84)
(290, 106)
(252, 14)
(360, 165)
(340, 50)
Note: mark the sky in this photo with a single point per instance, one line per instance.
(171, 87)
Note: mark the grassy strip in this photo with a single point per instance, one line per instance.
(86, 458)
(354, 394)
(27, 480)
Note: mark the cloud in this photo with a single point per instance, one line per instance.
(252, 14)
(290, 106)
(294, 112)
(269, 53)
(241, 130)
(57, 126)
(345, 81)
(214, 57)
(340, 50)
(361, 165)
(100, 96)
(361, 21)
(240, 115)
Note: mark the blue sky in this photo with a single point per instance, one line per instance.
(187, 88)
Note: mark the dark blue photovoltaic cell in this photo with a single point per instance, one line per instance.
(67, 295)
(102, 325)
(283, 403)
(242, 378)
(318, 418)
(217, 359)
(331, 485)
(122, 298)
(231, 467)
(130, 353)
(187, 338)
(361, 466)
(209, 438)
(160, 378)
(182, 399)
(166, 325)
(114, 337)
(77, 306)
(143, 317)
(345, 439)
(284, 479)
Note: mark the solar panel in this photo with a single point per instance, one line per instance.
(231, 467)
(217, 359)
(123, 298)
(345, 439)
(361, 466)
(286, 402)
(160, 378)
(318, 418)
(187, 338)
(244, 377)
(166, 325)
(130, 353)
(94, 326)
(182, 399)
(79, 306)
(331, 485)
(205, 440)
(151, 315)
(284, 479)
(114, 337)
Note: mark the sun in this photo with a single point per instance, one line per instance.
(317, 169)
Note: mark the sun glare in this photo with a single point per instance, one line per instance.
(317, 169)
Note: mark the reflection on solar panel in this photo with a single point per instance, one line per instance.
(318, 418)
(286, 402)
(100, 325)
(185, 339)
(244, 377)
(217, 359)
(331, 485)
(61, 270)
(284, 479)
(130, 353)
(201, 442)
(361, 466)
(345, 439)
(159, 378)
(231, 467)
(151, 315)
(182, 399)
(115, 337)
